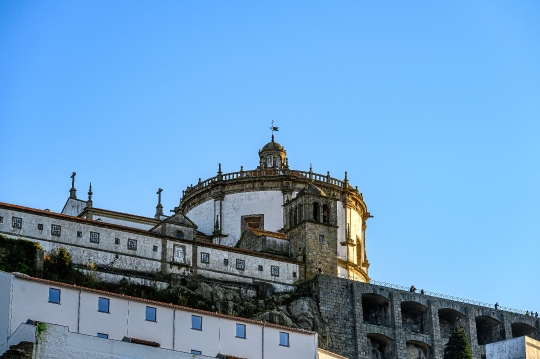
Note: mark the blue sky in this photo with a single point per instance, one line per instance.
(432, 107)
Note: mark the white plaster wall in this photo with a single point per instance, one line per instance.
(159, 331)
(341, 234)
(5, 300)
(237, 205)
(300, 346)
(31, 301)
(113, 323)
(251, 270)
(203, 216)
(507, 349)
(122, 222)
(24, 333)
(206, 340)
(250, 347)
(73, 207)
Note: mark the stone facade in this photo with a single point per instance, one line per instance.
(375, 322)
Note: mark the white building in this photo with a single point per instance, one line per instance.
(516, 348)
(112, 316)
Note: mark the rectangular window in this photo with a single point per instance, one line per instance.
(274, 270)
(196, 352)
(94, 237)
(117, 241)
(260, 268)
(16, 222)
(196, 322)
(321, 238)
(40, 227)
(103, 305)
(1, 219)
(294, 274)
(79, 234)
(151, 314)
(103, 336)
(56, 229)
(226, 261)
(132, 244)
(240, 264)
(284, 339)
(240, 331)
(54, 295)
(205, 257)
(154, 248)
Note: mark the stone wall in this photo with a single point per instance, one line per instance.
(376, 322)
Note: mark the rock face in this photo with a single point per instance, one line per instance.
(22, 350)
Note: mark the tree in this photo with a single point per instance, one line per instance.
(458, 346)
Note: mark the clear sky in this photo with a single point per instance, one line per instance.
(432, 107)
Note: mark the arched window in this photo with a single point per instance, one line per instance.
(316, 216)
(179, 235)
(291, 214)
(325, 214)
(295, 216)
(270, 161)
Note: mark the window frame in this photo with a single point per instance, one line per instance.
(288, 345)
(108, 305)
(103, 335)
(146, 314)
(1, 220)
(117, 241)
(245, 331)
(14, 220)
(96, 234)
(243, 266)
(79, 234)
(59, 230)
(59, 295)
(154, 248)
(321, 238)
(196, 352)
(40, 226)
(225, 261)
(203, 255)
(193, 316)
(129, 246)
(272, 268)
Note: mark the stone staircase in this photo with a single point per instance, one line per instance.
(22, 350)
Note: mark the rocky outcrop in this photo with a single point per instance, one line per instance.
(22, 350)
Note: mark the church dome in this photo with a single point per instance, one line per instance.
(272, 146)
(311, 188)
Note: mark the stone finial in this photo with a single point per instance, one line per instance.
(89, 203)
(90, 193)
(73, 191)
(310, 173)
(159, 207)
(346, 181)
(219, 169)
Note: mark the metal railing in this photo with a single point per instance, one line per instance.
(265, 173)
(450, 297)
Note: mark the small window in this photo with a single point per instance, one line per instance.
(56, 230)
(94, 237)
(79, 234)
(321, 238)
(40, 227)
(196, 352)
(240, 331)
(274, 270)
(1, 219)
(16, 222)
(179, 235)
(294, 274)
(260, 268)
(132, 244)
(205, 257)
(226, 261)
(196, 322)
(117, 241)
(240, 264)
(54, 295)
(151, 314)
(284, 339)
(154, 248)
(103, 305)
(103, 336)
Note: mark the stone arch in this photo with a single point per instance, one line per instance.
(380, 346)
(414, 316)
(521, 329)
(316, 214)
(376, 309)
(418, 350)
(449, 319)
(325, 214)
(488, 330)
(270, 161)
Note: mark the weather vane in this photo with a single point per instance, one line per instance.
(273, 128)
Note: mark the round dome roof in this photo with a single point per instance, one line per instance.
(311, 188)
(272, 146)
